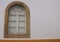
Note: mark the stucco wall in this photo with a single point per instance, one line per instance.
(44, 18)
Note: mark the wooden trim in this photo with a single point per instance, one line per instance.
(27, 35)
(50, 40)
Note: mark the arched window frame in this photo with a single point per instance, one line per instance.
(27, 35)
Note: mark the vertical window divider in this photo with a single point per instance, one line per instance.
(17, 24)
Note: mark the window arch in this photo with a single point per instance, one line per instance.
(17, 20)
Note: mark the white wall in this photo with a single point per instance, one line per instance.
(44, 18)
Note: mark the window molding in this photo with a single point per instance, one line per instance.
(27, 35)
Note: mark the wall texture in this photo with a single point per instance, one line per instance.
(44, 18)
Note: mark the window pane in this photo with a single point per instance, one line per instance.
(21, 18)
(12, 30)
(21, 30)
(12, 17)
(17, 9)
(12, 24)
(21, 24)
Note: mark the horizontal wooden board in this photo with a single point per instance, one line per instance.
(56, 40)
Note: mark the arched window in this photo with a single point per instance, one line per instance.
(17, 21)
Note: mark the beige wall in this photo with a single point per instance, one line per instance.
(44, 18)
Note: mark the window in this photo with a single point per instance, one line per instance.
(17, 21)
